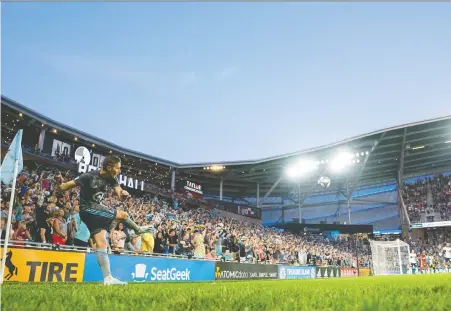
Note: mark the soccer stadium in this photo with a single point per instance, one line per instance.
(230, 156)
(371, 214)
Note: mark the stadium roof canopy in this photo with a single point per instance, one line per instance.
(409, 149)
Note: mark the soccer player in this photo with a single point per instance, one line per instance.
(447, 255)
(423, 262)
(98, 217)
(413, 262)
(430, 265)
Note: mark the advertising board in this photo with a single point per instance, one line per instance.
(146, 269)
(328, 272)
(364, 271)
(32, 265)
(193, 187)
(349, 272)
(295, 272)
(244, 271)
(434, 224)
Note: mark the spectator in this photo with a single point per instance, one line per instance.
(42, 227)
(26, 216)
(118, 238)
(22, 233)
(133, 246)
(172, 242)
(199, 246)
(59, 228)
(147, 243)
(209, 255)
(242, 251)
(217, 245)
(3, 226)
(66, 209)
(186, 246)
(4, 210)
(159, 244)
(82, 234)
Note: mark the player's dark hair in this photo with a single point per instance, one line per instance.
(110, 161)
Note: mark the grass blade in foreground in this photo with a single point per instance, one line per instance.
(413, 292)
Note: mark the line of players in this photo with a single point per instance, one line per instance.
(429, 263)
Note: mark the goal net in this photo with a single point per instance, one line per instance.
(390, 257)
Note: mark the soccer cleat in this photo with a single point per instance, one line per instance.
(113, 281)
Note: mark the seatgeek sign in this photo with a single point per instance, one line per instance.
(146, 269)
(86, 163)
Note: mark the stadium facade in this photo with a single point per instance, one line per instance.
(368, 191)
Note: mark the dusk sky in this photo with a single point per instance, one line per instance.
(211, 82)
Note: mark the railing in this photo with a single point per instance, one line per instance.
(82, 249)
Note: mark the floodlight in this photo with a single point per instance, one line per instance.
(301, 168)
(340, 162)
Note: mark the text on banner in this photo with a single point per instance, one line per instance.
(31, 265)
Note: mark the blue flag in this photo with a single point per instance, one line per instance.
(14, 153)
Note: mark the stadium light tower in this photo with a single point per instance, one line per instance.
(296, 172)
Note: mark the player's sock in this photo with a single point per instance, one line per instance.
(104, 262)
(132, 225)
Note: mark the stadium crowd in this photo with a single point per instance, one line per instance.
(44, 215)
(431, 253)
(429, 199)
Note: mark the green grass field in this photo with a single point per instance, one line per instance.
(413, 292)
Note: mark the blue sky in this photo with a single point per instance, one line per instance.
(194, 82)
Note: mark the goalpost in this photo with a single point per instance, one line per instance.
(390, 257)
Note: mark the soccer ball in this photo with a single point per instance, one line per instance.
(324, 182)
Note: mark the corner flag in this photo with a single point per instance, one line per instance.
(11, 167)
(8, 165)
